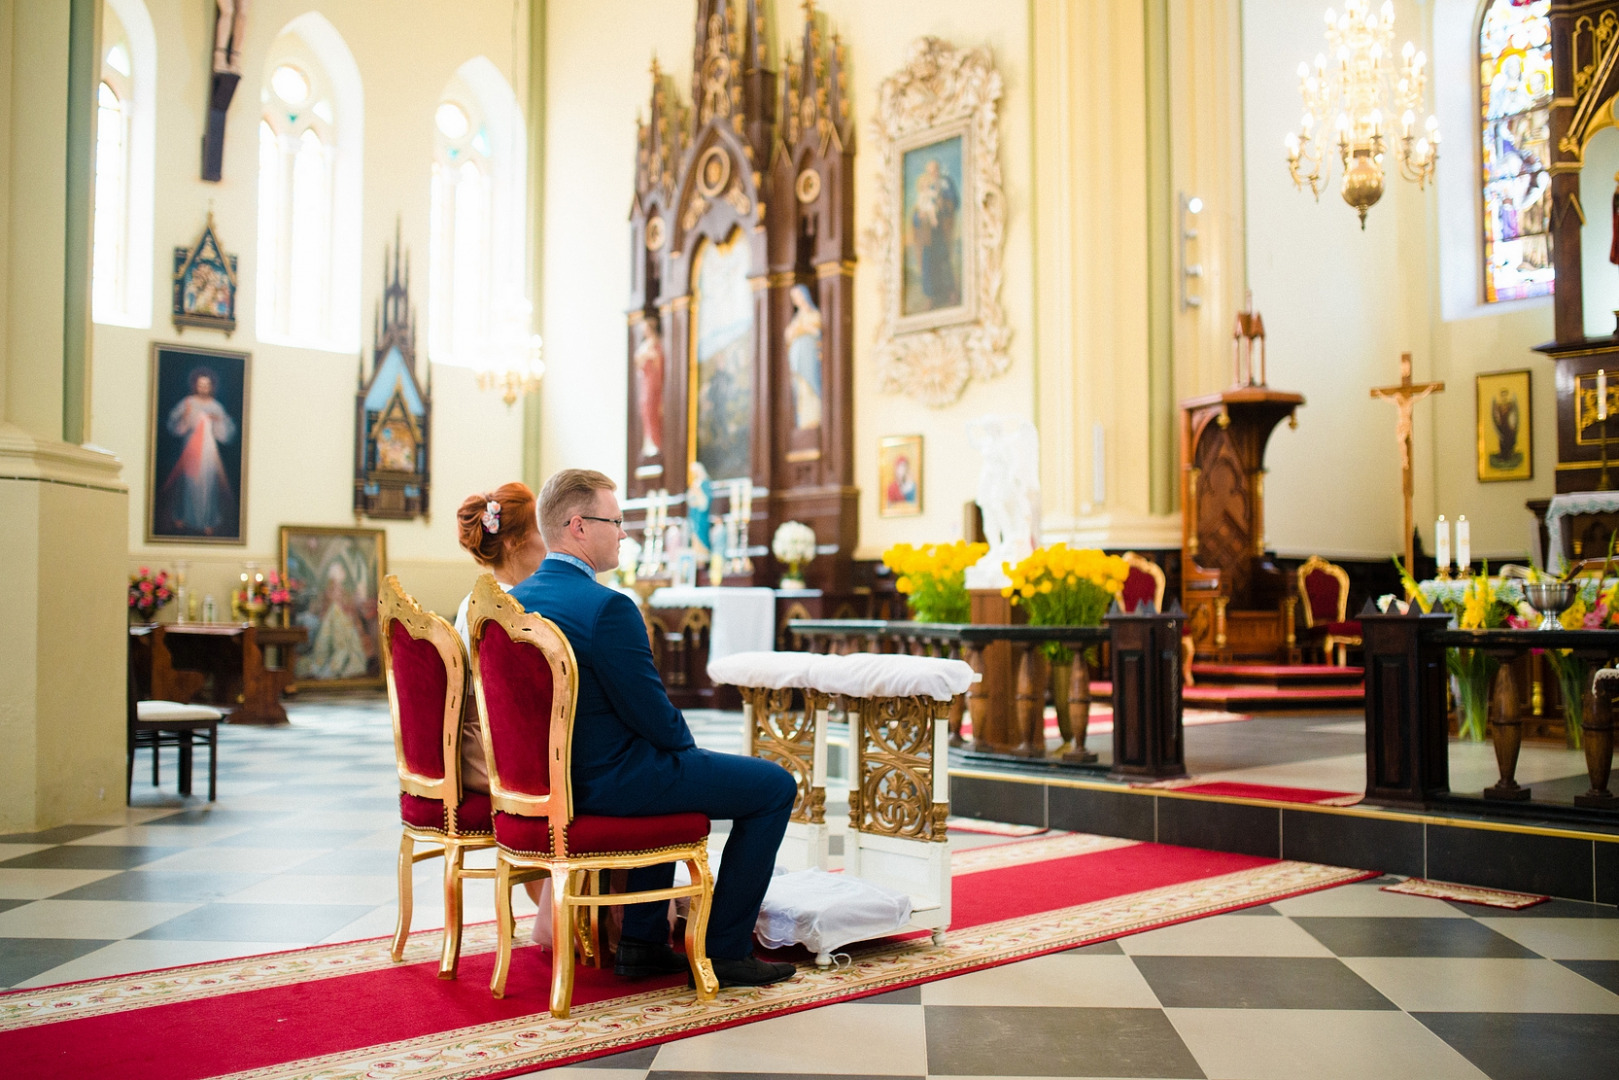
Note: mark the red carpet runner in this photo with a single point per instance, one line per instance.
(344, 1011)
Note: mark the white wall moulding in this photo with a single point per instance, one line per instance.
(942, 324)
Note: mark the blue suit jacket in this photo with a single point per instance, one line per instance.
(626, 732)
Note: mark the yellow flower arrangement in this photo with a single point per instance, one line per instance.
(933, 578)
(1064, 586)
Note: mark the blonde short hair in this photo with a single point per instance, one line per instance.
(567, 493)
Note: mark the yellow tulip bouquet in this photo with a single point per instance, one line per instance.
(933, 578)
(1063, 586)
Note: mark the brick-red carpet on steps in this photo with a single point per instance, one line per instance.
(344, 1011)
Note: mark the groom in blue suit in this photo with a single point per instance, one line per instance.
(633, 754)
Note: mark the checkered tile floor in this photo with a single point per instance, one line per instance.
(1350, 982)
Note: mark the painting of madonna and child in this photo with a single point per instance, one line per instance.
(336, 573)
(195, 478)
(934, 230)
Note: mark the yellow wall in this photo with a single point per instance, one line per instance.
(597, 62)
(300, 446)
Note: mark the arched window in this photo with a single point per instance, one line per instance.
(1515, 95)
(476, 250)
(309, 207)
(121, 272)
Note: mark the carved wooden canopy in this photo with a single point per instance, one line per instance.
(393, 410)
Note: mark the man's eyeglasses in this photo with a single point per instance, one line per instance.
(617, 523)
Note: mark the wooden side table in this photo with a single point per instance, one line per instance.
(251, 666)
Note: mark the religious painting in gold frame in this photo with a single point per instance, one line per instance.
(720, 401)
(336, 574)
(899, 476)
(1504, 426)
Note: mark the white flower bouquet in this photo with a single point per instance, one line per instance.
(793, 545)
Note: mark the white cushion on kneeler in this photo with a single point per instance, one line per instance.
(891, 675)
(159, 711)
(772, 670)
(823, 911)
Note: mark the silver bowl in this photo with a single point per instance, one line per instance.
(1551, 599)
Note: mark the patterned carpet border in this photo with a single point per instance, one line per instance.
(514, 1046)
(73, 1001)
(1467, 894)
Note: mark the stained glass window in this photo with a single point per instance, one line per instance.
(1515, 92)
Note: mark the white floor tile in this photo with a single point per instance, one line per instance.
(38, 884)
(1288, 1044)
(87, 918)
(17, 851)
(1064, 980)
(1226, 935)
(129, 957)
(1562, 939)
(238, 860)
(1367, 901)
(1441, 984)
(318, 889)
(891, 1040)
(161, 836)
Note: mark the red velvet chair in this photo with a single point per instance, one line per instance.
(527, 682)
(1324, 594)
(426, 669)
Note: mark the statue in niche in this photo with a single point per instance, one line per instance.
(804, 358)
(230, 26)
(1008, 493)
(699, 498)
(649, 365)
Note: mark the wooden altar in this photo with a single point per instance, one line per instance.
(740, 318)
(1237, 602)
(245, 668)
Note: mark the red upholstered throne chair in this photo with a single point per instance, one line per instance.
(527, 682)
(1144, 582)
(1324, 593)
(426, 669)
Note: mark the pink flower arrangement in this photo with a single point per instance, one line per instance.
(279, 590)
(148, 592)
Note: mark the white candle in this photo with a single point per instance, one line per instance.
(1602, 393)
(1464, 546)
(1441, 543)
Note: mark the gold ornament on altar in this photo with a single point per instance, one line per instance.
(1352, 89)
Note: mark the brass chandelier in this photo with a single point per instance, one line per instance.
(1351, 92)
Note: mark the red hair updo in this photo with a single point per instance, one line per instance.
(493, 524)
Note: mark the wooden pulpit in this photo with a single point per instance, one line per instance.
(1237, 602)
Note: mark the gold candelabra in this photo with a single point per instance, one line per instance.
(1352, 89)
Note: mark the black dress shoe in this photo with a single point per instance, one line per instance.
(751, 971)
(639, 960)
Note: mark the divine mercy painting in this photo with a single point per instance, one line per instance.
(933, 227)
(723, 347)
(198, 427)
(337, 572)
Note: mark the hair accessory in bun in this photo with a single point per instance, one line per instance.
(491, 517)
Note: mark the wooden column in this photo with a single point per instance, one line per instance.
(1407, 753)
(1148, 740)
(993, 731)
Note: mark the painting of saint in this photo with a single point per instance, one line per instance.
(197, 431)
(723, 347)
(649, 367)
(338, 605)
(1503, 426)
(804, 358)
(205, 284)
(899, 476)
(933, 238)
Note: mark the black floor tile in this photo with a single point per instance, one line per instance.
(1106, 813)
(1347, 840)
(307, 923)
(1358, 936)
(62, 834)
(910, 995)
(1532, 1046)
(1246, 830)
(23, 958)
(1111, 947)
(1551, 909)
(998, 800)
(90, 857)
(1605, 973)
(173, 886)
(1257, 909)
(1257, 982)
(1006, 1041)
(629, 1059)
(7, 905)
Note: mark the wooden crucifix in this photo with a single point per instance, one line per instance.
(1404, 396)
(230, 26)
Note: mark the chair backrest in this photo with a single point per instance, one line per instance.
(425, 666)
(1144, 582)
(527, 682)
(1323, 590)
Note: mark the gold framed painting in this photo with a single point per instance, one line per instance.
(335, 575)
(899, 476)
(1505, 445)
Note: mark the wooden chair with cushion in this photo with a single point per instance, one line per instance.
(156, 724)
(1144, 582)
(426, 670)
(527, 682)
(1324, 594)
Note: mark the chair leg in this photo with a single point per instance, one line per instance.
(407, 848)
(592, 952)
(562, 889)
(503, 920)
(451, 955)
(185, 762)
(213, 762)
(129, 775)
(157, 752)
(702, 968)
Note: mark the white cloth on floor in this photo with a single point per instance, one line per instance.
(823, 911)
(890, 675)
(772, 670)
(744, 618)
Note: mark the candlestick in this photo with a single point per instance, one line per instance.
(1441, 533)
(1464, 546)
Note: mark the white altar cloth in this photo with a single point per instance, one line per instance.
(1575, 502)
(744, 619)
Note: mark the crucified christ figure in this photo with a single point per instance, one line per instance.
(230, 26)
(1404, 396)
